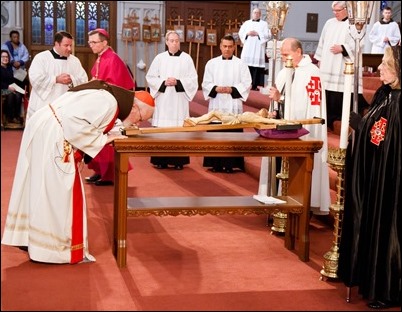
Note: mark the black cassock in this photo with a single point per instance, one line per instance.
(370, 251)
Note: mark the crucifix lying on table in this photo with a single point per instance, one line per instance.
(258, 120)
(262, 116)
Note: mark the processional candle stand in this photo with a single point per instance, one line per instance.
(276, 12)
(276, 16)
(336, 160)
(359, 13)
(279, 217)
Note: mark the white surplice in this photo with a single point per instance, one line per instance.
(41, 203)
(332, 65)
(42, 76)
(172, 107)
(379, 32)
(308, 101)
(253, 52)
(231, 73)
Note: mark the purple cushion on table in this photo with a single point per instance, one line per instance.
(282, 134)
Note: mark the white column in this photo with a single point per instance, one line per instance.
(349, 73)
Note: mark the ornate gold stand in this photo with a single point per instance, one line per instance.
(276, 16)
(336, 159)
(279, 218)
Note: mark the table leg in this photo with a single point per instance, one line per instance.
(120, 209)
(300, 173)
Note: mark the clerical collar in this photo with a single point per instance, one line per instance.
(175, 54)
(57, 56)
(345, 19)
(384, 22)
(227, 59)
(103, 51)
(256, 20)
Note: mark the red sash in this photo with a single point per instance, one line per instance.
(77, 226)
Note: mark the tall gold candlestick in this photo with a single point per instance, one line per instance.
(336, 159)
(276, 12)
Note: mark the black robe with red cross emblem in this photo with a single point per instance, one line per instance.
(370, 251)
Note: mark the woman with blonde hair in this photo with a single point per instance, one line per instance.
(370, 249)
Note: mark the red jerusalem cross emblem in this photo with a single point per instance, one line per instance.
(378, 131)
(314, 90)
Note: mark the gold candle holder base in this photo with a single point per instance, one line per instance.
(330, 267)
(279, 222)
(331, 257)
(336, 159)
(280, 218)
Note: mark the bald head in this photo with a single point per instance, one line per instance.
(292, 47)
(293, 44)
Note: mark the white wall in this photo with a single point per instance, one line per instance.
(296, 20)
(11, 19)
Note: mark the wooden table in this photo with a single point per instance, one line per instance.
(301, 158)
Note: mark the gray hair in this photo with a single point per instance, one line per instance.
(169, 32)
(340, 3)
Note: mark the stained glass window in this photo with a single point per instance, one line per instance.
(48, 17)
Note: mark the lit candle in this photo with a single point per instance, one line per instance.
(349, 72)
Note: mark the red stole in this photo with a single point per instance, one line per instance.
(77, 226)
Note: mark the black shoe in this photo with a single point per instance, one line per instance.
(103, 183)
(93, 178)
(178, 167)
(382, 304)
(216, 169)
(161, 166)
